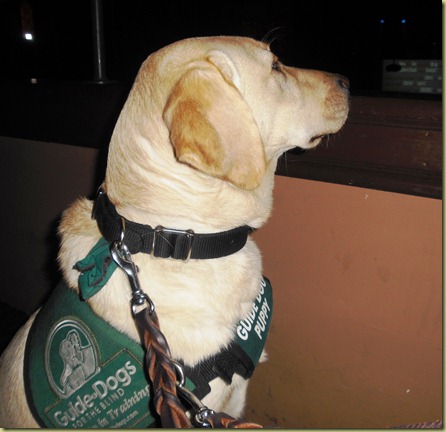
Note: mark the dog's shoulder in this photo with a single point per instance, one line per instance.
(76, 219)
(78, 234)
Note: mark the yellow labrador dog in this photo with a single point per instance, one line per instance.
(194, 151)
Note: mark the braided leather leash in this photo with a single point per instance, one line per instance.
(163, 372)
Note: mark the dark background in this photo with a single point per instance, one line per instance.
(343, 37)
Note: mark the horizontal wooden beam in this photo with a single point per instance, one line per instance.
(391, 144)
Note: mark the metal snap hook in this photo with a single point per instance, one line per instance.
(121, 255)
(201, 411)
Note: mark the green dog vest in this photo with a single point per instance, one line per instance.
(80, 372)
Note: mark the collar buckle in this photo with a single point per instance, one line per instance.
(173, 242)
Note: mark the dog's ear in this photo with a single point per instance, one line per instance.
(211, 127)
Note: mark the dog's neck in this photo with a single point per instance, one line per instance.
(203, 204)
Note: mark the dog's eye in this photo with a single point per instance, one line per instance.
(276, 66)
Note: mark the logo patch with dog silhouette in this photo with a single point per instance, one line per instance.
(83, 373)
(71, 358)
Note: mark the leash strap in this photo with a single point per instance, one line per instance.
(166, 242)
(222, 420)
(161, 371)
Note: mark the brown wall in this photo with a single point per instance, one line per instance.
(357, 326)
(356, 338)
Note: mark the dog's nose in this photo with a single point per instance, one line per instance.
(343, 82)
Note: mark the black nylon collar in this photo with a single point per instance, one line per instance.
(165, 242)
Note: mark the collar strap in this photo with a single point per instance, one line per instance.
(165, 242)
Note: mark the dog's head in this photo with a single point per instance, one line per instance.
(227, 108)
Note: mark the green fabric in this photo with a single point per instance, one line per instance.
(96, 269)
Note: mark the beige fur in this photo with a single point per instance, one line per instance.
(195, 147)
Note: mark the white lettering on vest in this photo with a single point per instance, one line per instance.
(78, 407)
(260, 326)
(250, 322)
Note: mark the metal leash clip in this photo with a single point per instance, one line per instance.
(121, 256)
(201, 411)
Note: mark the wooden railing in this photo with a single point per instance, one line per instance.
(391, 144)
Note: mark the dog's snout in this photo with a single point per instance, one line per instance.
(343, 82)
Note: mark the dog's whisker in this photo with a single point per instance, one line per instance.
(272, 35)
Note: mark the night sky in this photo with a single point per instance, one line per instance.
(351, 38)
